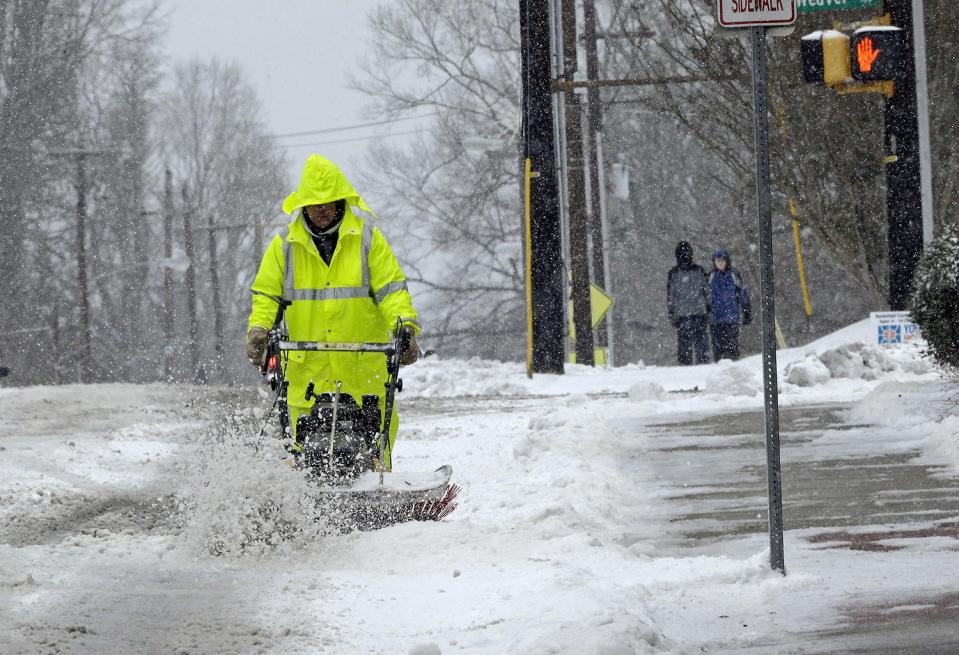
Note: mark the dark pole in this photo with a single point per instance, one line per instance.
(169, 333)
(594, 111)
(191, 287)
(903, 174)
(770, 382)
(545, 270)
(55, 331)
(576, 185)
(217, 312)
(82, 290)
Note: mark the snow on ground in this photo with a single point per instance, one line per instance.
(155, 519)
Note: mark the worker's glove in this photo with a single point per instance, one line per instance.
(256, 345)
(747, 315)
(412, 352)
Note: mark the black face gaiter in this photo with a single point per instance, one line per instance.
(325, 238)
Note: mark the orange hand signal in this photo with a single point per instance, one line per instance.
(866, 55)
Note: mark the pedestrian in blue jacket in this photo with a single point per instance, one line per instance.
(730, 300)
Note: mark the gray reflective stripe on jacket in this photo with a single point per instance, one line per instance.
(331, 293)
(366, 244)
(287, 265)
(398, 285)
(338, 293)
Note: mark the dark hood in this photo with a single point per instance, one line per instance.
(684, 254)
(722, 254)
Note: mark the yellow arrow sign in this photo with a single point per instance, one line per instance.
(599, 303)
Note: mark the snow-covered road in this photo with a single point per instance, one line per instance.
(602, 512)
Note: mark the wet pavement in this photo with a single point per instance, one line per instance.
(845, 486)
(726, 476)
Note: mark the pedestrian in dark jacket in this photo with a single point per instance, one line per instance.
(730, 304)
(687, 299)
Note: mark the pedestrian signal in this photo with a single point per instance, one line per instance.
(878, 53)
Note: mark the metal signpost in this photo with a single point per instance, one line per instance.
(758, 15)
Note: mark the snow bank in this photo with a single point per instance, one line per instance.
(943, 443)
(892, 404)
(731, 379)
(854, 361)
(846, 354)
(646, 390)
(930, 409)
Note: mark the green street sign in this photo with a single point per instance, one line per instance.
(826, 5)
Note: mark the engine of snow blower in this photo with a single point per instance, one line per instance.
(337, 438)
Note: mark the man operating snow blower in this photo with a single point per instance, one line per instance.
(333, 278)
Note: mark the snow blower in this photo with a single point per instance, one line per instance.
(341, 443)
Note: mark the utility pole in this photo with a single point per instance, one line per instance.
(597, 224)
(55, 334)
(544, 272)
(576, 185)
(904, 201)
(217, 313)
(169, 331)
(199, 374)
(82, 287)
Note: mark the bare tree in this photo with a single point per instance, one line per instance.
(215, 141)
(47, 90)
(455, 193)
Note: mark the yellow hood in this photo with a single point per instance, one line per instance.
(322, 182)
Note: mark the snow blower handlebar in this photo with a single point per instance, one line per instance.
(360, 347)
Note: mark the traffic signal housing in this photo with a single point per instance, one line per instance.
(825, 58)
(878, 53)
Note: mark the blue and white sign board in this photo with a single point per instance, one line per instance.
(893, 328)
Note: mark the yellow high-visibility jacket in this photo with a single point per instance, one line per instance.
(358, 297)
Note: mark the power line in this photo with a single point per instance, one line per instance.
(359, 138)
(356, 126)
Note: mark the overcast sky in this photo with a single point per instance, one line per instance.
(296, 54)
